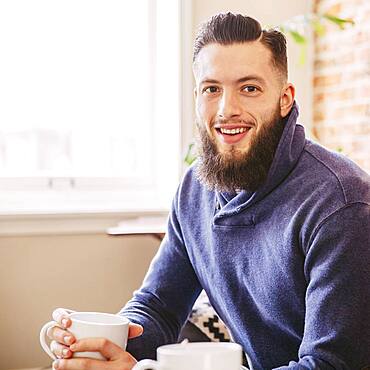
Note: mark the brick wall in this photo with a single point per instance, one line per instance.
(341, 110)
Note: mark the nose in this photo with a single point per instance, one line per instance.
(229, 106)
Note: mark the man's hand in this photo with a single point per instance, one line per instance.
(117, 358)
(62, 339)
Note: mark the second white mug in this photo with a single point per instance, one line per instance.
(195, 356)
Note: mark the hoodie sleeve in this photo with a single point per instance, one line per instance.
(168, 292)
(337, 270)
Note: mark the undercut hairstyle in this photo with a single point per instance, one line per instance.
(229, 28)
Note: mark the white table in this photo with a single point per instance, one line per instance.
(147, 225)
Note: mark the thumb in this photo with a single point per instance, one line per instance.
(135, 330)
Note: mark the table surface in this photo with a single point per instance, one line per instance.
(153, 225)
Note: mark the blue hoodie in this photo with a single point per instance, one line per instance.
(286, 268)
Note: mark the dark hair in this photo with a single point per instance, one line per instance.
(229, 28)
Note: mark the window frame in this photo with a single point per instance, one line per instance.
(71, 198)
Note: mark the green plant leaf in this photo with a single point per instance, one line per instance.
(302, 55)
(190, 155)
(341, 22)
(298, 37)
(318, 27)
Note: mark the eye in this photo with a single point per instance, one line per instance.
(211, 90)
(250, 88)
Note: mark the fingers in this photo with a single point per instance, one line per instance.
(59, 335)
(61, 338)
(135, 330)
(117, 358)
(126, 362)
(107, 348)
(60, 315)
(60, 350)
(79, 364)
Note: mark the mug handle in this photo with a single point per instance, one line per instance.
(45, 328)
(43, 343)
(146, 364)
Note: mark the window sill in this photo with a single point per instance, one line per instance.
(76, 215)
(71, 223)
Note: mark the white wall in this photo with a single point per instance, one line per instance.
(40, 273)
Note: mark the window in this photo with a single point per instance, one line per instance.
(89, 104)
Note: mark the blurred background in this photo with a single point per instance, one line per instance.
(96, 117)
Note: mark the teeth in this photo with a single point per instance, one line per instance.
(233, 131)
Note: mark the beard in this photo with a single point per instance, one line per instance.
(236, 170)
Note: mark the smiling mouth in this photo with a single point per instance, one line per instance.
(233, 131)
(232, 134)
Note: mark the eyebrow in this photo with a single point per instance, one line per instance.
(240, 80)
(251, 77)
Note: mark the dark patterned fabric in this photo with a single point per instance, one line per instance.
(204, 317)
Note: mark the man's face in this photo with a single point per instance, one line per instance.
(238, 102)
(237, 88)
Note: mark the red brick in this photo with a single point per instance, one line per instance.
(328, 80)
(363, 92)
(365, 53)
(319, 98)
(318, 115)
(329, 134)
(340, 95)
(361, 130)
(355, 110)
(359, 75)
(361, 37)
(333, 62)
(322, 47)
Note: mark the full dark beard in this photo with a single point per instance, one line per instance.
(235, 170)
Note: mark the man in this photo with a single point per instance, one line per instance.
(272, 226)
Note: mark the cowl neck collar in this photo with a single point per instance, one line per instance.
(287, 153)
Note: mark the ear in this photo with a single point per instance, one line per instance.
(195, 93)
(287, 99)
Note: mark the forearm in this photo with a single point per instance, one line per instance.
(159, 328)
(156, 332)
(168, 292)
(161, 323)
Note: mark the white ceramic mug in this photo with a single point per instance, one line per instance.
(89, 325)
(195, 356)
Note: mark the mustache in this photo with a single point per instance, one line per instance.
(232, 121)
